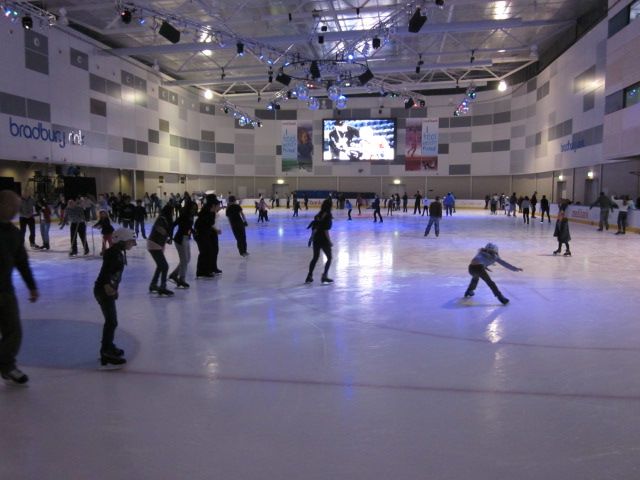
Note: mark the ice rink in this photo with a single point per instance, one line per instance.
(386, 374)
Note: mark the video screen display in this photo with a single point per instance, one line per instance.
(359, 140)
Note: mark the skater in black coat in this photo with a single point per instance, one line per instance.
(562, 233)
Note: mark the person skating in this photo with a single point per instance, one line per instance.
(322, 241)
(12, 255)
(238, 223)
(562, 233)
(159, 236)
(478, 268)
(435, 215)
(105, 291)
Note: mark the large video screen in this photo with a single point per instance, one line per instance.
(359, 140)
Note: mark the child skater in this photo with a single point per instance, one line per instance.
(562, 233)
(106, 292)
(486, 257)
(349, 208)
(106, 230)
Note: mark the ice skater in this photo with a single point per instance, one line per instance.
(106, 292)
(562, 233)
(478, 268)
(321, 241)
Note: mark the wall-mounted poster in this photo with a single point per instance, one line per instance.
(297, 146)
(421, 151)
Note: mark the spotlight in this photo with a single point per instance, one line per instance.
(27, 22)
(276, 106)
(375, 43)
(350, 57)
(225, 109)
(502, 86)
(320, 39)
(314, 70)
(125, 16)
(408, 102)
(270, 106)
(169, 32)
(365, 77)
(240, 49)
(417, 21)
(417, 68)
(422, 103)
(208, 94)
(283, 78)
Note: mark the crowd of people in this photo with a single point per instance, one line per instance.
(179, 219)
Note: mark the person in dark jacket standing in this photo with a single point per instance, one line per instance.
(160, 235)
(544, 208)
(182, 241)
(206, 235)
(322, 241)
(562, 233)
(105, 291)
(606, 205)
(12, 254)
(238, 224)
(534, 202)
(435, 215)
(376, 208)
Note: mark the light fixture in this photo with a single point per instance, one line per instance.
(408, 102)
(341, 102)
(440, 3)
(416, 21)
(280, 181)
(222, 74)
(333, 92)
(590, 175)
(303, 92)
(125, 16)
(313, 103)
(283, 78)
(27, 22)
(422, 103)
(375, 43)
(155, 65)
(502, 86)
(534, 51)
(208, 94)
(417, 68)
(560, 177)
(365, 77)
(397, 181)
(350, 57)
(320, 39)
(240, 49)
(270, 75)
(314, 70)
(169, 32)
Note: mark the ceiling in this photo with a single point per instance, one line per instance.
(461, 41)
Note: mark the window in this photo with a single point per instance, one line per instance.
(634, 11)
(632, 94)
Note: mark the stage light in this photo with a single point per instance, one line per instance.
(270, 106)
(225, 109)
(240, 49)
(417, 68)
(169, 32)
(125, 16)
(350, 57)
(365, 77)
(283, 78)
(375, 43)
(27, 22)
(314, 70)
(422, 103)
(320, 39)
(502, 86)
(416, 21)
(408, 102)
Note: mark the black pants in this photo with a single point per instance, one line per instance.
(326, 248)
(477, 272)
(108, 307)
(545, 210)
(162, 268)
(377, 212)
(241, 237)
(525, 215)
(10, 331)
(78, 229)
(31, 223)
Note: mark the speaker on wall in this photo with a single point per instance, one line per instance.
(169, 32)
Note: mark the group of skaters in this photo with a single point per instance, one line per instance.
(513, 204)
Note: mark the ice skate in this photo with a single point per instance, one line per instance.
(16, 377)
(503, 300)
(469, 293)
(109, 360)
(164, 292)
(326, 279)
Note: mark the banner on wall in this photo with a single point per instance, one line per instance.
(421, 152)
(297, 146)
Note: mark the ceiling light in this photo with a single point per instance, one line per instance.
(502, 86)
(125, 16)
(208, 94)
(27, 22)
